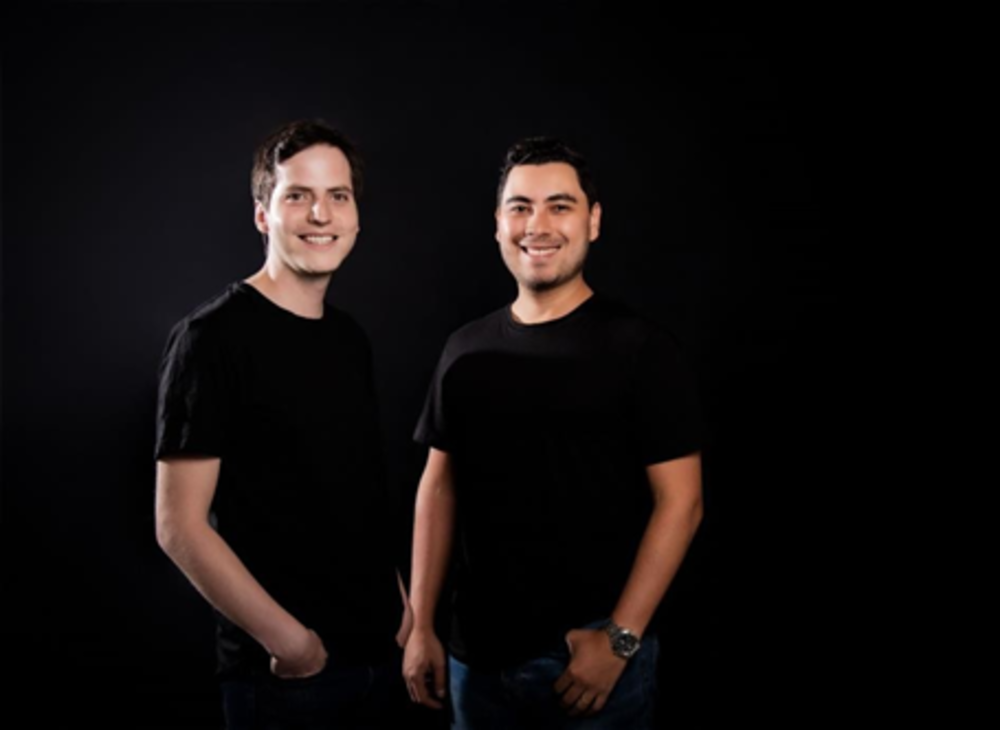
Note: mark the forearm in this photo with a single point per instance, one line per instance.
(432, 539)
(672, 525)
(221, 577)
(596, 665)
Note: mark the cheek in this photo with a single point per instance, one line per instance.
(277, 221)
(509, 234)
(582, 232)
(509, 251)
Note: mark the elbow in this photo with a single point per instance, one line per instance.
(169, 533)
(165, 534)
(688, 513)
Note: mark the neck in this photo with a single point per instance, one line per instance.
(298, 294)
(535, 307)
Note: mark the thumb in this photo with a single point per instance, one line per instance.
(570, 636)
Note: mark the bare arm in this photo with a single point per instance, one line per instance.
(433, 528)
(184, 491)
(677, 511)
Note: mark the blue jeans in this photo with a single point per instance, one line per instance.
(339, 697)
(524, 697)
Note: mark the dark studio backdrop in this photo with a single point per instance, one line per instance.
(127, 136)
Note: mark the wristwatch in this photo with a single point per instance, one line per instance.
(624, 643)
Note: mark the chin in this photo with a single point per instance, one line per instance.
(318, 273)
(539, 285)
(321, 268)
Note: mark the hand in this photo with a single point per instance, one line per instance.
(306, 657)
(592, 673)
(423, 668)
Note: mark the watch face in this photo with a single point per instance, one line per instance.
(625, 645)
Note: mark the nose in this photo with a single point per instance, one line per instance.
(319, 213)
(538, 223)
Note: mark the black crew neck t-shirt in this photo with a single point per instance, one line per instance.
(550, 428)
(287, 403)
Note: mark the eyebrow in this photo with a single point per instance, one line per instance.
(306, 189)
(551, 199)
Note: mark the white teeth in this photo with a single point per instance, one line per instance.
(319, 239)
(540, 251)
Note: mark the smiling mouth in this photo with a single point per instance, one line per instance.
(319, 240)
(539, 251)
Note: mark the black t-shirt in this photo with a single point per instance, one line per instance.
(550, 428)
(288, 405)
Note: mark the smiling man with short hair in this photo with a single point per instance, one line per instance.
(564, 438)
(270, 496)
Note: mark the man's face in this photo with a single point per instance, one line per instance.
(544, 225)
(311, 220)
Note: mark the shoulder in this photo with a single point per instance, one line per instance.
(345, 327)
(342, 320)
(628, 328)
(210, 321)
(478, 332)
(476, 336)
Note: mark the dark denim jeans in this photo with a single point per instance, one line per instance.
(337, 698)
(524, 698)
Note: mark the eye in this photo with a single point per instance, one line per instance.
(518, 208)
(560, 207)
(341, 196)
(294, 197)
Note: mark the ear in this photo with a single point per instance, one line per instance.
(595, 222)
(260, 217)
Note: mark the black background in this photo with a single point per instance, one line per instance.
(127, 138)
